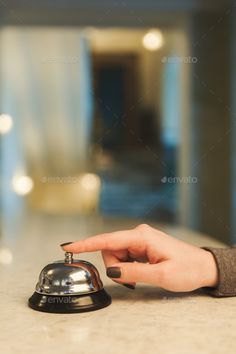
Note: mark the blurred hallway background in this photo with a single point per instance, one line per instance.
(121, 110)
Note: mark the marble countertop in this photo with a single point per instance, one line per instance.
(147, 320)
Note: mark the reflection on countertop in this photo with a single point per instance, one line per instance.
(145, 320)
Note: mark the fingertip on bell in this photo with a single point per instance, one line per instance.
(62, 245)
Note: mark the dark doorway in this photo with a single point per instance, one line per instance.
(117, 94)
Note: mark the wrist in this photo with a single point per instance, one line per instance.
(210, 270)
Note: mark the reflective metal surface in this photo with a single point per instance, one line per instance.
(69, 277)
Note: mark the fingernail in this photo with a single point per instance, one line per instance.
(65, 244)
(129, 286)
(113, 272)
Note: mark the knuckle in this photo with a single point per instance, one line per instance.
(105, 238)
(105, 242)
(143, 228)
(144, 232)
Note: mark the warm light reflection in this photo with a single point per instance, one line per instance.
(153, 40)
(5, 256)
(90, 181)
(6, 123)
(22, 185)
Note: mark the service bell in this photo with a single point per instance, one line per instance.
(69, 286)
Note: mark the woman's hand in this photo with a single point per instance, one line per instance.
(147, 255)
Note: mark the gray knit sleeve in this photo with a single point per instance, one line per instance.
(226, 263)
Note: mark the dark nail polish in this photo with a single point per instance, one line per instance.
(113, 272)
(65, 244)
(129, 286)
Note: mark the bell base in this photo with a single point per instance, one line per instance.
(70, 303)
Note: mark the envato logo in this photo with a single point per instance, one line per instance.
(58, 300)
(60, 180)
(181, 60)
(61, 60)
(179, 180)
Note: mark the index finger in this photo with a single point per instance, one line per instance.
(113, 241)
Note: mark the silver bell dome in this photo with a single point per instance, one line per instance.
(68, 277)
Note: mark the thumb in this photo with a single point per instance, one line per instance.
(136, 272)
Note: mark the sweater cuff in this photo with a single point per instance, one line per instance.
(226, 263)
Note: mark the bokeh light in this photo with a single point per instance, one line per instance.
(90, 181)
(6, 123)
(153, 40)
(22, 185)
